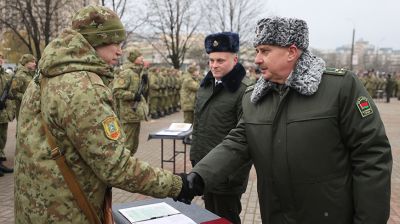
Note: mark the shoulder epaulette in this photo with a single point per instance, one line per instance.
(247, 82)
(250, 88)
(335, 71)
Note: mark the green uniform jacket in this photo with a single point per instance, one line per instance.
(8, 113)
(22, 78)
(125, 86)
(188, 92)
(318, 159)
(77, 106)
(217, 111)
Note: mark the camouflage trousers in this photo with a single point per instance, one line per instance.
(132, 131)
(3, 140)
(153, 105)
(188, 116)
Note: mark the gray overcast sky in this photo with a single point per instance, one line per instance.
(331, 22)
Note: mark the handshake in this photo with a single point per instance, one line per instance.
(192, 185)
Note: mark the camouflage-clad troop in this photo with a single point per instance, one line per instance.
(73, 99)
(130, 105)
(190, 85)
(154, 95)
(24, 74)
(6, 115)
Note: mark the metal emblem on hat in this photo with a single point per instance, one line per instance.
(215, 43)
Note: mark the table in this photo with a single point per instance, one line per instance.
(174, 136)
(193, 211)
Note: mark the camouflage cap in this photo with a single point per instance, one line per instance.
(26, 58)
(99, 25)
(191, 69)
(133, 54)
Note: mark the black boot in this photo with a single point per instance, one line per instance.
(1, 174)
(5, 169)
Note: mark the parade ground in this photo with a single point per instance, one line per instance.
(149, 150)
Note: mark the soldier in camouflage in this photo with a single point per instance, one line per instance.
(190, 85)
(71, 96)
(130, 105)
(6, 115)
(24, 74)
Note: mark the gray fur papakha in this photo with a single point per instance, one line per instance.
(282, 32)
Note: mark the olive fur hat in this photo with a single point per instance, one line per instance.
(282, 32)
(222, 42)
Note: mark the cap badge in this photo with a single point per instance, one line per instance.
(215, 43)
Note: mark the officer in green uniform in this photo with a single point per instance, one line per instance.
(190, 85)
(24, 74)
(154, 87)
(314, 134)
(130, 105)
(71, 96)
(6, 115)
(217, 110)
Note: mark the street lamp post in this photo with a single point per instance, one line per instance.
(352, 50)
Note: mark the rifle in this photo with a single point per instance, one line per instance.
(5, 93)
(139, 93)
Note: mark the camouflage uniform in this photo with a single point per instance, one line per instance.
(153, 92)
(76, 104)
(190, 85)
(125, 87)
(22, 78)
(6, 115)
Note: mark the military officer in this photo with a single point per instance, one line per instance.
(24, 74)
(72, 100)
(314, 134)
(131, 106)
(217, 111)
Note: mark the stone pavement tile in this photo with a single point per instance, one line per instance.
(149, 150)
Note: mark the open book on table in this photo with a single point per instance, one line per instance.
(155, 213)
(175, 129)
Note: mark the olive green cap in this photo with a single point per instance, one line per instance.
(99, 25)
(26, 58)
(133, 54)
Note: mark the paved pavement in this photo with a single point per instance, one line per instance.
(150, 151)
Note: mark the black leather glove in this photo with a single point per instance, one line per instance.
(196, 183)
(186, 195)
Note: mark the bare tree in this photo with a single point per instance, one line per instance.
(35, 18)
(117, 6)
(233, 16)
(172, 25)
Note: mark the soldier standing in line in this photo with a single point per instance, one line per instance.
(153, 92)
(190, 85)
(389, 87)
(6, 115)
(24, 74)
(72, 99)
(130, 105)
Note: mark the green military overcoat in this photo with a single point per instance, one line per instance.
(217, 111)
(321, 158)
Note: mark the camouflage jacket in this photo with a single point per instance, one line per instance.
(76, 105)
(188, 92)
(8, 113)
(20, 83)
(125, 87)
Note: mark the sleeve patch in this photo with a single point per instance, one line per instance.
(364, 106)
(111, 128)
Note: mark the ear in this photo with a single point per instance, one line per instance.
(236, 59)
(294, 53)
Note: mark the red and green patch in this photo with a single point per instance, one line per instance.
(364, 106)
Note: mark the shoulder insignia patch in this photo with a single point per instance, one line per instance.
(111, 128)
(335, 71)
(364, 106)
(121, 82)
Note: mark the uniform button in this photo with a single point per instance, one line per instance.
(326, 214)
